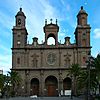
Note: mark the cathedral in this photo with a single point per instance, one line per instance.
(44, 68)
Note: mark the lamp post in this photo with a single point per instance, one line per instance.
(88, 70)
(71, 88)
(7, 86)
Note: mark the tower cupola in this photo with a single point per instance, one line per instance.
(20, 18)
(82, 17)
(19, 30)
(51, 30)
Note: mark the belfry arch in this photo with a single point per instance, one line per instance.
(51, 30)
(51, 39)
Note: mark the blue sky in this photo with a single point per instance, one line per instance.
(36, 12)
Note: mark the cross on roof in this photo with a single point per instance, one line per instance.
(51, 20)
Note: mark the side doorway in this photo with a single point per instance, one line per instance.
(35, 86)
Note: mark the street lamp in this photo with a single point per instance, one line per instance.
(7, 86)
(88, 71)
(71, 88)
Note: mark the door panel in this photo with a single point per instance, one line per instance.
(35, 90)
(51, 90)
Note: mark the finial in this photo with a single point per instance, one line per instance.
(45, 21)
(60, 41)
(81, 7)
(20, 9)
(51, 20)
(56, 21)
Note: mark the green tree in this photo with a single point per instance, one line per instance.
(1, 81)
(75, 71)
(14, 81)
(3, 84)
(96, 64)
(83, 80)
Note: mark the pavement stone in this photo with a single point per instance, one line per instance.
(43, 98)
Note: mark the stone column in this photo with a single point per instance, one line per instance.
(60, 83)
(41, 83)
(59, 58)
(26, 82)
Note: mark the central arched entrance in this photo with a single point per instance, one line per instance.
(35, 86)
(51, 84)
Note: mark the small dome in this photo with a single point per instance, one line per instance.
(82, 11)
(20, 13)
(52, 26)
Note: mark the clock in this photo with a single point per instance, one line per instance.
(51, 58)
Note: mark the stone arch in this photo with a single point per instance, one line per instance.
(67, 82)
(53, 39)
(34, 85)
(51, 84)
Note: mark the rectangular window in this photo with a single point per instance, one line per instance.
(18, 60)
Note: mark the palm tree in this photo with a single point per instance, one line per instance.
(14, 80)
(83, 80)
(97, 68)
(75, 72)
(1, 81)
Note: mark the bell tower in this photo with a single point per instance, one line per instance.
(82, 32)
(19, 31)
(51, 30)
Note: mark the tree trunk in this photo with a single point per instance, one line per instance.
(75, 87)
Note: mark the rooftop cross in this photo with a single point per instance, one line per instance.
(51, 20)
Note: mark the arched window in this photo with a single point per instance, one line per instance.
(18, 60)
(51, 41)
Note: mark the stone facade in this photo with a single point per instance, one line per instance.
(42, 67)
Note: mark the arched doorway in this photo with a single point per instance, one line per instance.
(35, 86)
(51, 84)
(67, 84)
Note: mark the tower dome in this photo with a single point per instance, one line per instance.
(20, 18)
(20, 13)
(82, 11)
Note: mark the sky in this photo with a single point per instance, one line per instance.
(36, 11)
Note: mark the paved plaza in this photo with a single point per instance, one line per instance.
(44, 98)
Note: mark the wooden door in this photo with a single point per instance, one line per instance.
(51, 90)
(35, 90)
(34, 86)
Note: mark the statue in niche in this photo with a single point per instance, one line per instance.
(34, 60)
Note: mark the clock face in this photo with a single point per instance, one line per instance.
(51, 58)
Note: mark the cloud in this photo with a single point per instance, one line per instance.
(97, 33)
(36, 14)
(5, 49)
(63, 32)
(5, 63)
(5, 18)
